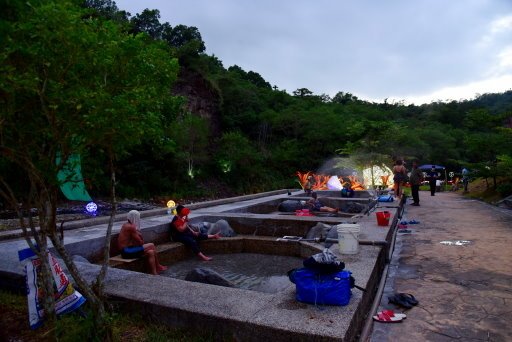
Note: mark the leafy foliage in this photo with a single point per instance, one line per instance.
(276, 133)
(73, 84)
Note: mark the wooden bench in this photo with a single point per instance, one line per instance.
(119, 260)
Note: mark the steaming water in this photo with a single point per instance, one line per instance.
(338, 166)
(250, 271)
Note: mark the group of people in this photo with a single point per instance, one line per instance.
(400, 178)
(416, 179)
(131, 243)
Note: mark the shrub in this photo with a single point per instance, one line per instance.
(504, 189)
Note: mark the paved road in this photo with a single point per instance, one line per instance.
(465, 291)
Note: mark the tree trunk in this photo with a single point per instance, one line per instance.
(106, 248)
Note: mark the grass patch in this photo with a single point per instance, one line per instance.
(484, 191)
(72, 327)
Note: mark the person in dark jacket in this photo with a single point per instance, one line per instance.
(432, 178)
(465, 179)
(415, 179)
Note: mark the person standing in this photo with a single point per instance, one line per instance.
(415, 179)
(399, 177)
(308, 186)
(465, 178)
(432, 180)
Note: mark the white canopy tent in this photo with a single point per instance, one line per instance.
(372, 176)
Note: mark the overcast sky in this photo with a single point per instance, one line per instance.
(413, 50)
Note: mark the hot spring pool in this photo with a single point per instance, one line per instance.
(251, 271)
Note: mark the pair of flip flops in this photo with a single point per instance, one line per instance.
(405, 300)
(402, 226)
(389, 316)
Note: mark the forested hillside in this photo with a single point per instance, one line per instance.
(205, 128)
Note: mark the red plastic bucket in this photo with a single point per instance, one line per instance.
(383, 218)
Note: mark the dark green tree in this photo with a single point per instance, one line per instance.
(148, 22)
(62, 95)
(344, 98)
(107, 9)
(239, 161)
(182, 36)
(302, 92)
(191, 135)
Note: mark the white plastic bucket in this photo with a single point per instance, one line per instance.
(348, 238)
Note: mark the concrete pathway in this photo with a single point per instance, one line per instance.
(464, 289)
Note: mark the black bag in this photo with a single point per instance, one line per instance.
(324, 263)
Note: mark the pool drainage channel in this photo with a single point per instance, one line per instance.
(368, 325)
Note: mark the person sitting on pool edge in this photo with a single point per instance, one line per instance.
(182, 232)
(314, 204)
(132, 245)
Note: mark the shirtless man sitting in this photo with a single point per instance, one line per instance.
(132, 245)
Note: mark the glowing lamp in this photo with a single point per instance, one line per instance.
(91, 207)
(172, 207)
(225, 166)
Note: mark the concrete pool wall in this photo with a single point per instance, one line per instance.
(237, 314)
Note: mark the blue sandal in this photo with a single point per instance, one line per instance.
(397, 299)
(404, 231)
(409, 298)
(405, 300)
(414, 222)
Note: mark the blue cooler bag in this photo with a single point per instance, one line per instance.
(385, 198)
(320, 288)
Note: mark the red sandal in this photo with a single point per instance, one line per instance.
(389, 316)
(395, 314)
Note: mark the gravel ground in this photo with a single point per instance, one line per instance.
(72, 211)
